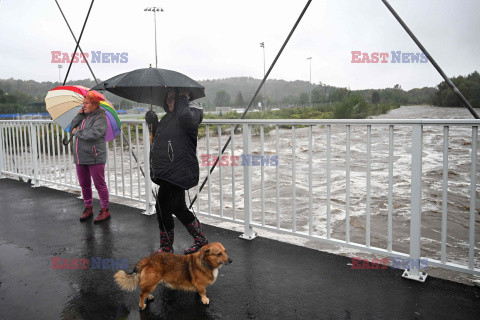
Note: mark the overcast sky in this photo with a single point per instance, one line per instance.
(213, 39)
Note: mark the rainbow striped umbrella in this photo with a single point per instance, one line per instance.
(64, 102)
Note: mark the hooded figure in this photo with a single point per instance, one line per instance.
(174, 167)
(173, 156)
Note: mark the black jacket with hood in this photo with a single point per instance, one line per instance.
(173, 155)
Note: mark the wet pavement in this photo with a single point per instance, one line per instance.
(267, 279)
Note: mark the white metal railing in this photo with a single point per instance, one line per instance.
(34, 150)
(374, 185)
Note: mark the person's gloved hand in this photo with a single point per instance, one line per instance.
(151, 117)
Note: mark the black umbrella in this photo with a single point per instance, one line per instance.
(150, 85)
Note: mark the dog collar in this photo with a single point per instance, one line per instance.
(206, 265)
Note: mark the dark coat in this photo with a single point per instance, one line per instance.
(89, 146)
(173, 155)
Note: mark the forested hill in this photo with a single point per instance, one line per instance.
(275, 90)
(237, 92)
(37, 89)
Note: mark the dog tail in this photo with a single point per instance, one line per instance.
(127, 281)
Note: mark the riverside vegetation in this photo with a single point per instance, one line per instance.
(353, 106)
(27, 96)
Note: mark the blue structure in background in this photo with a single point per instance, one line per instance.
(17, 115)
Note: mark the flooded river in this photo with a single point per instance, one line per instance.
(294, 203)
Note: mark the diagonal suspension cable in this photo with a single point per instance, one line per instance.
(254, 96)
(430, 58)
(95, 78)
(78, 42)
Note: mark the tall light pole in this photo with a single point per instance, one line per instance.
(310, 95)
(262, 45)
(59, 77)
(155, 9)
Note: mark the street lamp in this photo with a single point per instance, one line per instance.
(310, 95)
(59, 77)
(262, 45)
(155, 9)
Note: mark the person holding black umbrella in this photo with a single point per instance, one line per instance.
(174, 166)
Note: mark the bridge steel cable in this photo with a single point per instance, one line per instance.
(95, 78)
(78, 42)
(254, 96)
(430, 58)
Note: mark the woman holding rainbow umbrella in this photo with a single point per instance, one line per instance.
(90, 153)
(93, 123)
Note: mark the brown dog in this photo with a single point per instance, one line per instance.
(193, 272)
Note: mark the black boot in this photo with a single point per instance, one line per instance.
(196, 231)
(166, 241)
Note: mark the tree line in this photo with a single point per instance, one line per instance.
(27, 96)
(469, 86)
(324, 94)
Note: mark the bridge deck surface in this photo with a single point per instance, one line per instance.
(267, 279)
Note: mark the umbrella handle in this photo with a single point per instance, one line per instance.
(149, 127)
(151, 134)
(65, 141)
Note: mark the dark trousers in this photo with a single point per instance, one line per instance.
(171, 201)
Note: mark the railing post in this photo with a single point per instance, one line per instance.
(33, 145)
(146, 160)
(2, 153)
(473, 201)
(248, 233)
(416, 206)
